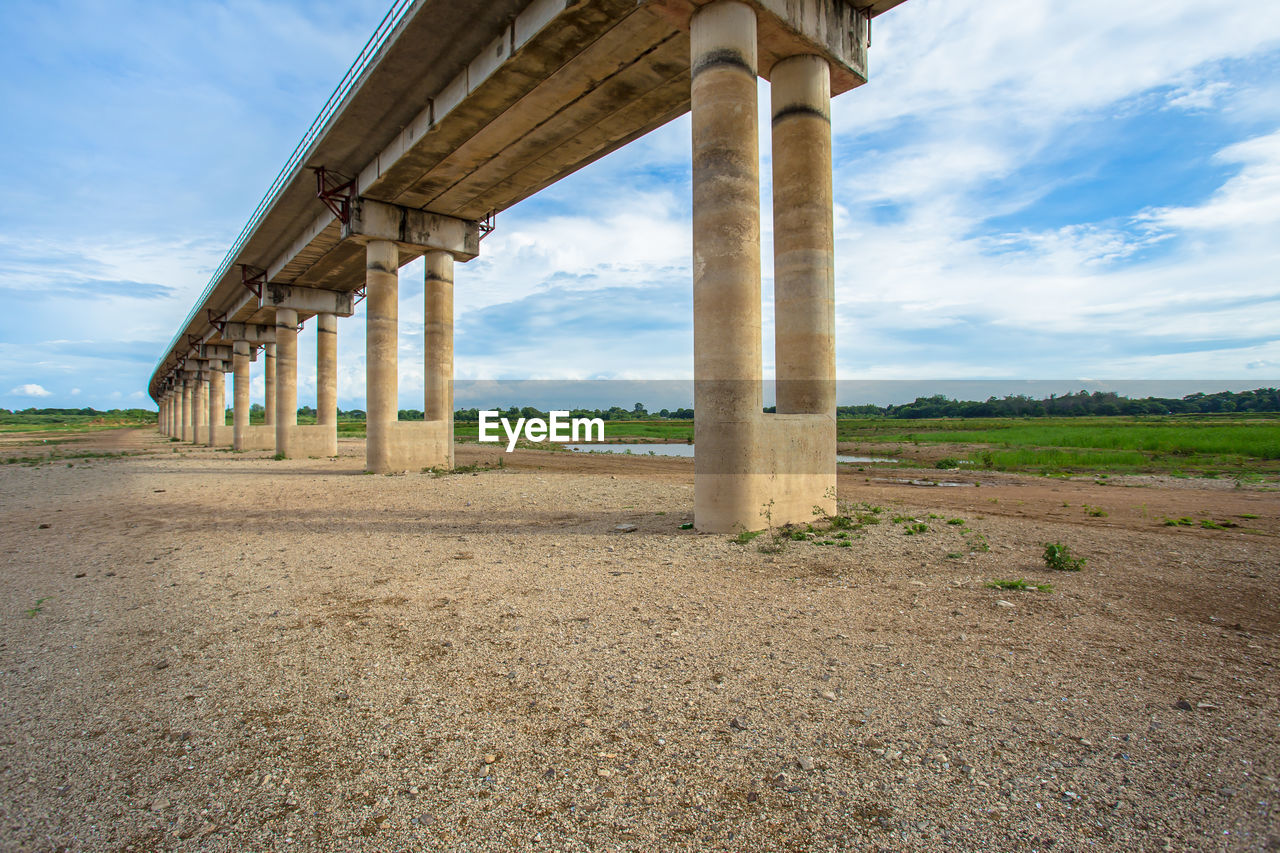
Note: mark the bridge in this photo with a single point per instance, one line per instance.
(458, 109)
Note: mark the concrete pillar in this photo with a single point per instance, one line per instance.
(200, 409)
(240, 394)
(382, 262)
(803, 239)
(188, 388)
(286, 392)
(438, 343)
(217, 401)
(269, 416)
(726, 266)
(166, 411)
(327, 370)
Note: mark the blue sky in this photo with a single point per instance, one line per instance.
(1026, 189)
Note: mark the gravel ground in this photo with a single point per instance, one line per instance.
(214, 651)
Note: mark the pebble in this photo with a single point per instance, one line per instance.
(1000, 602)
(490, 758)
(626, 528)
(738, 723)
(805, 763)
(828, 695)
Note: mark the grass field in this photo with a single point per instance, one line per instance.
(1245, 447)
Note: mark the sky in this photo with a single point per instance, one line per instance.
(1025, 190)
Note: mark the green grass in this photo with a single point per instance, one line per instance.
(999, 583)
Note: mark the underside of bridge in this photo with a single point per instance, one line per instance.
(462, 108)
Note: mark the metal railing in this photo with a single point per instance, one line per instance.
(386, 26)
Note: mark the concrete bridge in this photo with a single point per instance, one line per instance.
(458, 109)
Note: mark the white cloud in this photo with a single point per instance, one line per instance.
(1247, 201)
(31, 390)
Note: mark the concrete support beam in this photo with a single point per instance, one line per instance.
(240, 395)
(217, 405)
(200, 410)
(307, 300)
(726, 267)
(254, 333)
(382, 288)
(375, 221)
(221, 352)
(286, 378)
(269, 355)
(438, 346)
(188, 388)
(803, 238)
(327, 371)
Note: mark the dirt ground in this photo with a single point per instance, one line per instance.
(213, 651)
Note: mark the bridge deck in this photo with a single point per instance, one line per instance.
(471, 106)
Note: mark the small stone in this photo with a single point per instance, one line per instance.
(805, 763)
(604, 772)
(1206, 706)
(752, 796)
(1000, 602)
(828, 695)
(490, 758)
(738, 723)
(43, 527)
(626, 528)
(1183, 705)
(340, 697)
(162, 664)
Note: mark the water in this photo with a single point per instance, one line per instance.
(685, 450)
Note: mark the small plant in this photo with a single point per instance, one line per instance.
(1179, 522)
(916, 529)
(1246, 515)
(1000, 583)
(955, 555)
(955, 521)
(32, 611)
(1058, 557)
(947, 464)
(278, 457)
(744, 536)
(1210, 524)
(797, 536)
(1094, 511)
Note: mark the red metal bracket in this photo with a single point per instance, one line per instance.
(335, 190)
(360, 294)
(219, 321)
(253, 279)
(488, 224)
(194, 341)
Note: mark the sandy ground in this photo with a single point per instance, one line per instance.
(214, 651)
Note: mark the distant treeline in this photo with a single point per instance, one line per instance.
(1081, 404)
(28, 416)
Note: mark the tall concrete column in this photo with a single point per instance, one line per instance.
(217, 401)
(327, 370)
(726, 266)
(803, 239)
(188, 389)
(286, 359)
(438, 343)
(269, 352)
(240, 394)
(200, 409)
(382, 262)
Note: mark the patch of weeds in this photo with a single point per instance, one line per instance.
(1094, 511)
(33, 611)
(465, 469)
(947, 463)
(1179, 522)
(1058, 557)
(797, 535)
(899, 519)
(744, 536)
(279, 456)
(956, 521)
(978, 544)
(660, 512)
(1000, 583)
(1246, 515)
(955, 555)
(844, 544)
(1210, 524)
(915, 529)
